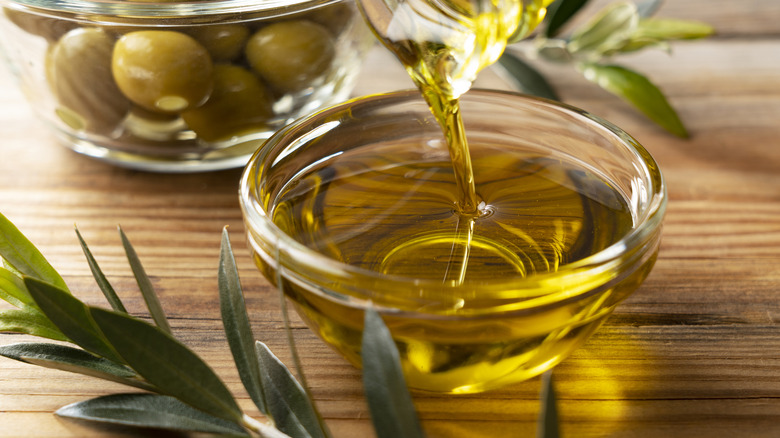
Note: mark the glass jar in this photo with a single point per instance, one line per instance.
(180, 86)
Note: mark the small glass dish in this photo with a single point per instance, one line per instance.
(488, 328)
(179, 86)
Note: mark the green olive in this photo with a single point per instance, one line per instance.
(49, 28)
(162, 70)
(291, 55)
(239, 103)
(225, 42)
(78, 68)
(335, 17)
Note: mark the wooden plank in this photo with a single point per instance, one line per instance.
(694, 352)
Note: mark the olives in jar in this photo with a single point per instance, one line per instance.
(78, 69)
(174, 85)
(224, 42)
(291, 55)
(162, 70)
(239, 103)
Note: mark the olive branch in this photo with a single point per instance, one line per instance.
(180, 391)
(619, 28)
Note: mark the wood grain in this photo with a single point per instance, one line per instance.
(695, 352)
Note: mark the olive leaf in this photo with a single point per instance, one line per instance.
(100, 278)
(391, 405)
(666, 29)
(637, 90)
(292, 344)
(658, 32)
(285, 311)
(74, 360)
(71, 317)
(559, 12)
(191, 397)
(147, 290)
(167, 364)
(30, 323)
(526, 78)
(618, 28)
(18, 252)
(149, 410)
(13, 290)
(609, 29)
(287, 401)
(236, 323)
(10, 267)
(547, 422)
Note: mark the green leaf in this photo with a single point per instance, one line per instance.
(527, 79)
(547, 423)
(71, 316)
(13, 290)
(101, 279)
(666, 29)
(610, 29)
(287, 401)
(637, 90)
(391, 405)
(149, 410)
(73, 360)
(288, 330)
(236, 323)
(147, 290)
(24, 257)
(166, 363)
(322, 428)
(635, 44)
(559, 13)
(659, 31)
(29, 322)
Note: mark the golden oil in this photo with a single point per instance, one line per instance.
(444, 230)
(391, 209)
(443, 45)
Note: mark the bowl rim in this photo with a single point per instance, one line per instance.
(644, 229)
(134, 10)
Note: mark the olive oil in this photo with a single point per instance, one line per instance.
(389, 208)
(445, 229)
(443, 45)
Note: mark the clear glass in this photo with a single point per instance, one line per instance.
(454, 336)
(223, 75)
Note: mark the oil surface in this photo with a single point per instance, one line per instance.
(392, 209)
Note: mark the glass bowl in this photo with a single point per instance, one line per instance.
(176, 86)
(516, 309)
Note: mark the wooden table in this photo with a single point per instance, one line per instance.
(695, 352)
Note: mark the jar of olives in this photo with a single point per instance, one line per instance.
(180, 86)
